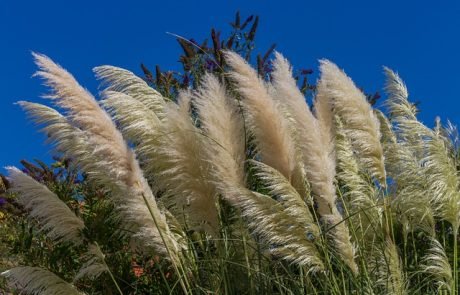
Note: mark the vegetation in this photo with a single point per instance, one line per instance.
(230, 182)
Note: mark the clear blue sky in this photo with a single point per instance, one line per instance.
(419, 39)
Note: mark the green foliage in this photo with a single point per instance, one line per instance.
(24, 244)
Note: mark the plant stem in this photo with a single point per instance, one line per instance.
(108, 270)
(248, 265)
(184, 288)
(114, 281)
(455, 282)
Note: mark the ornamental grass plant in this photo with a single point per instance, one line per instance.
(232, 182)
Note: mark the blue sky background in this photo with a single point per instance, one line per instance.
(419, 39)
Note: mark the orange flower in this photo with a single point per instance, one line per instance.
(137, 269)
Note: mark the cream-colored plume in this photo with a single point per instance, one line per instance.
(312, 138)
(389, 271)
(282, 191)
(54, 217)
(402, 114)
(442, 179)
(68, 139)
(138, 122)
(223, 125)
(325, 194)
(338, 234)
(264, 119)
(430, 152)
(359, 121)
(435, 265)
(81, 108)
(286, 228)
(124, 81)
(35, 280)
(172, 153)
(139, 125)
(359, 194)
(410, 198)
(182, 170)
(94, 264)
(285, 236)
(106, 157)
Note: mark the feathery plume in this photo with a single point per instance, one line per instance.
(323, 110)
(430, 147)
(182, 172)
(289, 234)
(442, 178)
(124, 81)
(138, 125)
(70, 140)
(288, 93)
(398, 103)
(326, 193)
(327, 208)
(280, 188)
(110, 161)
(287, 238)
(410, 200)
(265, 120)
(81, 107)
(359, 122)
(35, 280)
(314, 144)
(403, 114)
(435, 264)
(76, 144)
(94, 264)
(164, 146)
(434, 176)
(223, 125)
(360, 196)
(55, 218)
(389, 270)
(338, 234)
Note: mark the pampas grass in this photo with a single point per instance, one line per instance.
(360, 196)
(181, 170)
(265, 120)
(436, 264)
(287, 238)
(239, 186)
(55, 218)
(280, 188)
(390, 273)
(411, 201)
(403, 113)
(223, 124)
(429, 147)
(350, 104)
(138, 124)
(94, 265)
(109, 150)
(311, 138)
(34, 280)
(123, 81)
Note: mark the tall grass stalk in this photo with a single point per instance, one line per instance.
(455, 263)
